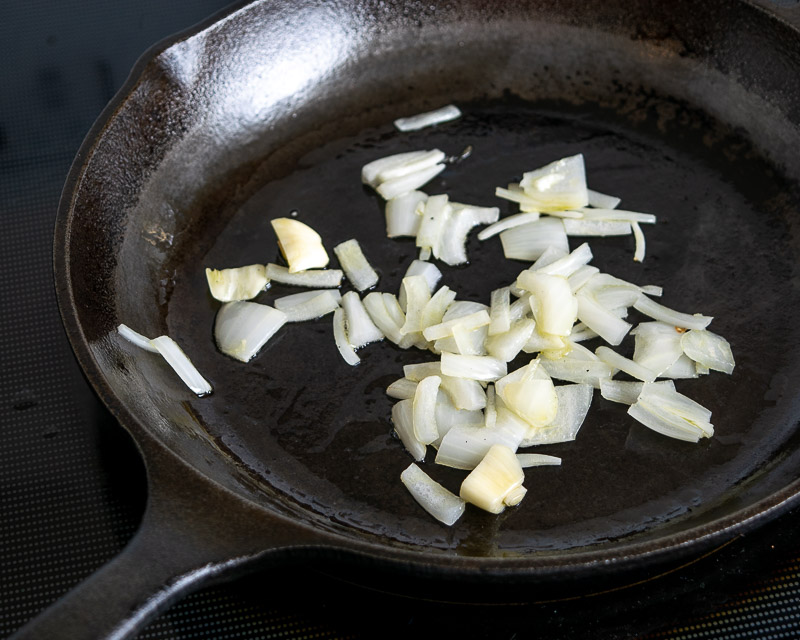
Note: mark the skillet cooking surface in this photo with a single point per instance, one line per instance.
(215, 145)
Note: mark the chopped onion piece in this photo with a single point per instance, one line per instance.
(466, 394)
(708, 349)
(375, 305)
(370, 171)
(340, 338)
(617, 361)
(499, 311)
(579, 371)
(402, 389)
(355, 265)
(529, 392)
(490, 411)
(597, 228)
(409, 167)
(659, 312)
(527, 460)
(323, 278)
(508, 223)
(428, 270)
(496, 482)
(574, 401)
(411, 182)
(468, 323)
(299, 244)
(434, 216)
(555, 308)
(239, 283)
(549, 256)
(449, 416)
(601, 200)
(529, 241)
(625, 391)
(443, 505)
(463, 447)
(657, 346)
(451, 248)
(417, 295)
(242, 328)
(482, 368)
(403, 421)
(506, 346)
(429, 118)
(424, 407)
(401, 214)
(136, 338)
(543, 342)
(672, 414)
(600, 320)
(181, 364)
(567, 265)
(437, 306)
(609, 213)
(308, 305)
(360, 328)
(638, 255)
(683, 368)
(582, 276)
(558, 185)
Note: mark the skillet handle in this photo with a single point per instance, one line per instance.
(192, 533)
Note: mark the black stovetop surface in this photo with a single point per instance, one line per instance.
(72, 487)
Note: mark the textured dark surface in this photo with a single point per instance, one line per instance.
(72, 486)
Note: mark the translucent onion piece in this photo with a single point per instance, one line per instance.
(300, 245)
(538, 342)
(610, 213)
(567, 265)
(597, 228)
(181, 364)
(469, 342)
(490, 412)
(466, 394)
(657, 346)
(402, 389)
(529, 241)
(529, 392)
(481, 368)
(659, 312)
(601, 200)
(499, 311)
(579, 371)
(136, 338)
(370, 171)
(409, 167)
(434, 216)
(582, 276)
(671, 413)
(242, 328)
(401, 214)
(421, 370)
(506, 346)
(417, 295)
(239, 283)
(683, 368)
(527, 460)
(436, 307)
(468, 323)
(463, 447)
(475, 339)
(558, 185)
(574, 401)
(355, 265)
(403, 421)
(428, 270)
(428, 119)
(617, 361)
(360, 328)
(448, 416)
(638, 254)
(375, 305)
(548, 257)
(308, 305)
(555, 308)
(443, 505)
(600, 320)
(424, 407)
(496, 482)
(708, 349)
(322, 278)
(340, 338)
(452, 246)
(508, 223)
(411, 182)
(626, 391)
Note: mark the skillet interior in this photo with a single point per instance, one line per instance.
(276, 108)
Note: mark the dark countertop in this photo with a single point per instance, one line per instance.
(72, 487)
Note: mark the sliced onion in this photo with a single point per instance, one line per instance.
(617, 361)
(370, 171)
(434, 216)
(508, 222)
(499, 311)
(601, 200)
(424, 408)
(452, 245)
(527, 460)
(403, 421)
(597, 228)
(181, 364)
(610, 213)
(240, 283)
(411, 182)
(506, 346)
(626, 391)
(428, 270)
(443, 505)
(360, 328)
(657, 346)
(355, 265)
(683, 368)
(567, 265)
(555, 308)
(529, 241)
(136, 338)
(600, 320)
(308, 305)
(428, 119)
(375, 305)
(671, 413)
(708, 349)
(468, 323)
(481, 368)
(436, 307)
(402, 389)
(464, 447)
(580, 277)
(321, 278)
(417, 295)
(401, 214)
(638, 255)
(558, 185)
(449, 416)
(340, 338)
(410, 167)
(299, 244)
(578, 371)
(659, 312)
(574, 401)
(242, 328)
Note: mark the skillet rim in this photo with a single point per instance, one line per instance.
(618, 556)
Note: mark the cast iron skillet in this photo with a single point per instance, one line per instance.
(689, 111)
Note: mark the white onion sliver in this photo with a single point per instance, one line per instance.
(659, 312)
(401, 214)
(569, 264)
(375, 305)
(428, 270)
(527, 460)
(412, 166)
(428, 119)
(499, 311)
(402, 389)
(481, 368)
(322, 278)
(574, 401)
(671, 413)
(340, 338)
(424, 407)
(464, 447)
(579, 372)
(431, 496)
(625, 391)
(529, 241)
(434, 216)
(638, 254)
(558, 185)
(355, 265)
(468, 323)
(617, 361)
(609, 213)
(304, 307)
(370, 171)
(506, 346)
(242, 328)
(239, 283)
(136, 338)
(182, 365)
(597, 228)
(411, 182)
(601, 200)
(403, 421)
(360, 328)
(508, 223)
(600, 320)
(708, 349)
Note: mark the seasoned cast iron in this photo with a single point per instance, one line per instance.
(687, 110)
